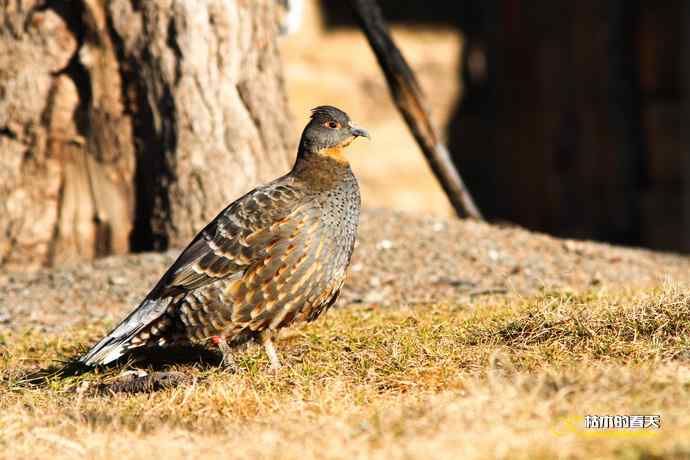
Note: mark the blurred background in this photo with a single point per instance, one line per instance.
(125, 126)
(562, 117)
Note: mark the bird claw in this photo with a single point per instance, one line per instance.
(227, 362)
(270, 350)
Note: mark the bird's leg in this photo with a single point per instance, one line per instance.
(266, 337)
(228, 361)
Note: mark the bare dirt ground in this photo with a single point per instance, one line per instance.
(399, 259)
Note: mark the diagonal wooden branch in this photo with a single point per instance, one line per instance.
(410, 100)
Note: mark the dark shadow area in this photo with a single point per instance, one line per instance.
(548, 133)
(153, 144)
(571, 113)
(156, 361)
(412, 12)
(471, 131)
(42, 377)
(159, 358)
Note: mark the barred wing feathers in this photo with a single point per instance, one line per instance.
(253, 228)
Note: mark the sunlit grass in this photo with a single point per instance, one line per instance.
(486, 379)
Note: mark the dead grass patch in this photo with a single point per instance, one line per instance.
(491, 379)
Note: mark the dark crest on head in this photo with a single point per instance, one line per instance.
(328, 112)
(329, 127)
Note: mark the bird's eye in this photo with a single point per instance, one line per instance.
(331, 124)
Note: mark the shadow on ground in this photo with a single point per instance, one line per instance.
(156, 375)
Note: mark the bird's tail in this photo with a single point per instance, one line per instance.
(115, 344)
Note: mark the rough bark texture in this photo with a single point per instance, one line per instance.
(128, 125)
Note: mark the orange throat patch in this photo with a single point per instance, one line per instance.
(335, 153)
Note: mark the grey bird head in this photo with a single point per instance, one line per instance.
(329, 129)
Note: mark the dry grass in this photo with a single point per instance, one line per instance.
(490, 379)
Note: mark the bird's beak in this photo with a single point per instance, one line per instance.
(359, 132)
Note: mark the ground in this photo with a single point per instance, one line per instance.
(453, 340)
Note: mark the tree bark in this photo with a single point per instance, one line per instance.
(127, 125)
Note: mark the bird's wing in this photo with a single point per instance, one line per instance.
(287, 271)
(236, 238)
(241, 234)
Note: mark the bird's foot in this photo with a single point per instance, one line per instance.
(228, 362)
(266, 340)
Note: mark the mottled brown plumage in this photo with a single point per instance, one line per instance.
(276, 256)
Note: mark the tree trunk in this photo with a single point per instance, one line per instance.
(127, 125)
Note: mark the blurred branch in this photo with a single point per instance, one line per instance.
(410, 100)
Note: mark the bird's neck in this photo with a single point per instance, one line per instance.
(322, 168)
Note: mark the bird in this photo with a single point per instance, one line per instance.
(276, 256)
